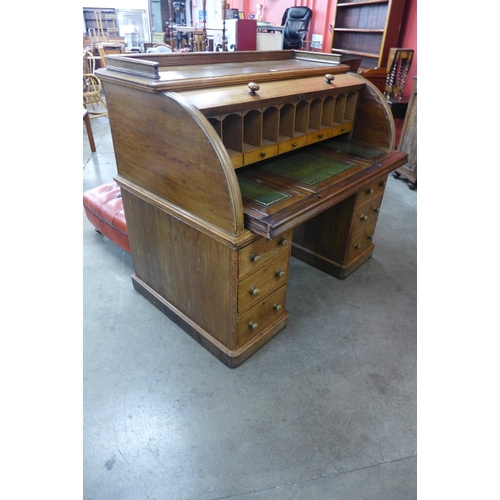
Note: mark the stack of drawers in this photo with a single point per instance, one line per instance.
(364, 219)
(262, 279)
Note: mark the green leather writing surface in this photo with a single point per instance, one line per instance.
(306, 167)
(260, 194)
(355, 149)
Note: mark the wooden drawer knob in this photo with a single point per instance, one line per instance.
(253, 88)
(255, 257)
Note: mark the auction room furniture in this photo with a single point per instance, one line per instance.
(367, 29)
(296, 22)
(398, 65)
(93, 101)
(104, 209)
(88, 126)
(408, 140)
(269, 37)
(231, 162)
(241, 34)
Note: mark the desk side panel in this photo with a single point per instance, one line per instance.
(374, 123)
(191, 271)
(167, 147)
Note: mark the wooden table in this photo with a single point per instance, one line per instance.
(88, 126)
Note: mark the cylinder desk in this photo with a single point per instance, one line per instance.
(230, 163)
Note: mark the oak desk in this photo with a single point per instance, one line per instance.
(231, 162)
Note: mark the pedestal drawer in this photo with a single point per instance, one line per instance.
(259, 253)
(261, 283)
(361, 241)
(366, 213)
(373, 190)
(254, 321)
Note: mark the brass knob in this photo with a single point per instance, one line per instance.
(294, 144)
(369, 191)
(252, 325)
(376, 209)
(263, 155)
(329, 78)
(255, 257)
(276, 307)
(357, 246)
(364, 217)
(254, 291)
(253, 88)
(320, 136)
(283, 242)
(279, 274)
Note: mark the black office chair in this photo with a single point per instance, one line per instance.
(296, 22)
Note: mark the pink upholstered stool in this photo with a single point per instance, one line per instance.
(104, 209)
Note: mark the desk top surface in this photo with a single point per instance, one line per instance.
(197, 70)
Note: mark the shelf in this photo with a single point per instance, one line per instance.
(367, 28)
(361, 30)
(355, 53)
(360, 4)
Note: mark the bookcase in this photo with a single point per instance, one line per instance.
(367, 29)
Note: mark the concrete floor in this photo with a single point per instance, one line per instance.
(326, 410)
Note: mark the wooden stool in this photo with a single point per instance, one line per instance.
(86, 119)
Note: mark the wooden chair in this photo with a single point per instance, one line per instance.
(88, 62)
(398, 65)
(391, 80)
(105, 49)
(92, 88)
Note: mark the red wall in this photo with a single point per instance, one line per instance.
(408, 40)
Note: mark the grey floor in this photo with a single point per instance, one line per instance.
(326, 410)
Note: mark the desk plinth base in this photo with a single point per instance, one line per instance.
(231, 358)
(328, 266)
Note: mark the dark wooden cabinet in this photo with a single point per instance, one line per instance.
(367, 29)
(231, 162)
